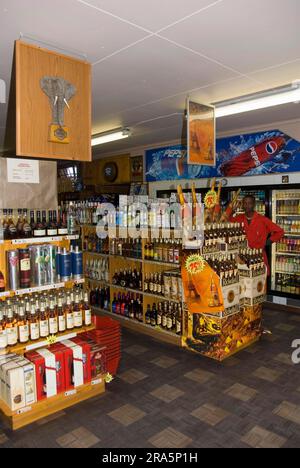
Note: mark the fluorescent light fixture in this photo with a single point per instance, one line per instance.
(112, 135)
(264, 100)
(2, 92)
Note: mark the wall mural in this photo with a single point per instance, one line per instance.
(269, 152)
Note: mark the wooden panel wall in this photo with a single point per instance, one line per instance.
(33, 107)
(93, 172)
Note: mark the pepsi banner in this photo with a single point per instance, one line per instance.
(271, 152)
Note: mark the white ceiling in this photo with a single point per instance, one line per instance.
(147, 56)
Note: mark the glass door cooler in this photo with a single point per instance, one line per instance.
(285, 273)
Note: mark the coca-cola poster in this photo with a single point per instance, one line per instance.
(269, 152)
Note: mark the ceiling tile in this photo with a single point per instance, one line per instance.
(149, 71)
(68, 24)
(159, 13)
(277, 76)
(246, 35)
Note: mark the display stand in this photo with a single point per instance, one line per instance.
(29, 414)
(117, 262)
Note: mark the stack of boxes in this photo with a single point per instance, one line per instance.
(17, 382)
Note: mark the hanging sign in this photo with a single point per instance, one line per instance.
(201, 134)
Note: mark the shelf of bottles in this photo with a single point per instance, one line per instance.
(286, 253)
(260, 197)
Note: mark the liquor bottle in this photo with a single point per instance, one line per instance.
(164, 316)
(12, 229)
(39, 228)
(87, 313)
(62, 223)
(153, 317)
(61, 316)
(148, 315)
(3, 331)
(53, 318)
(114, 304)
(34, 326)
(19, 225)
(23, 328)
(4, 227)
(44, 321)
(69, 313)
(77, 312)
(11, 328)
(170, 319)
(51, 226)
(26, 230)
(159, 315)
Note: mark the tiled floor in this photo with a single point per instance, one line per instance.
(165, 397)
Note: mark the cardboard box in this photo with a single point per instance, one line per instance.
(38, 362)
(77, 377)
(98, 357)
(67, 355)
(231, 295)
(29, 381)
(253, 287)
(50, 372)
(13, 375)
(86, 358)
(4, 360)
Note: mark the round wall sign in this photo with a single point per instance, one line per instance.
(110, 172)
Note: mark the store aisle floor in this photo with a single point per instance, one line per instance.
(166, 397)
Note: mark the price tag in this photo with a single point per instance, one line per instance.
(24, 410)
(96, 382)
(70, 393)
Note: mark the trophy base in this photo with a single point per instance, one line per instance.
(58, 134)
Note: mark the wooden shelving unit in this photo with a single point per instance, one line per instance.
(29, 414)
(118, 262)
(17, 419)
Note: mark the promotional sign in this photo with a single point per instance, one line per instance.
(22, 171)
(201, 134)
(269, 152)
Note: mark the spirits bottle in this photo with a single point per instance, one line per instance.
(34, 327)
(44, 321)
(11, 328)
(23, 328)
(61, 316)
(39, 228)
(3, 332)
(69, 313)
(26, 227)
(77, 312)
(53, 319)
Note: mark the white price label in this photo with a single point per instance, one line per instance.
(24, 410)
(96, 382)
(70, 393)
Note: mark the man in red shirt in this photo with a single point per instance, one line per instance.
(258, 228)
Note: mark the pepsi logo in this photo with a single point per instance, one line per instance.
(271, 147)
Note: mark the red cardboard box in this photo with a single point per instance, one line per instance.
(68, 365)
(40, 374)
(86, 355)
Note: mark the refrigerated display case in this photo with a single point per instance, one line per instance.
(285, 272)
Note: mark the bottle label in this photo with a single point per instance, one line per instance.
(78, 319)
(44, 328)
(88, 317)
(39, 233)
(3, 339)
(52, 232)
(53, 327)
(61, 323)
(23, 333)
(169, 323)
(158, 288)
(158, 320)
(178, 327)
(164, 321)
(12, 336)
(25, 264)
(34, 331)
(63, 231)
(70, 321)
